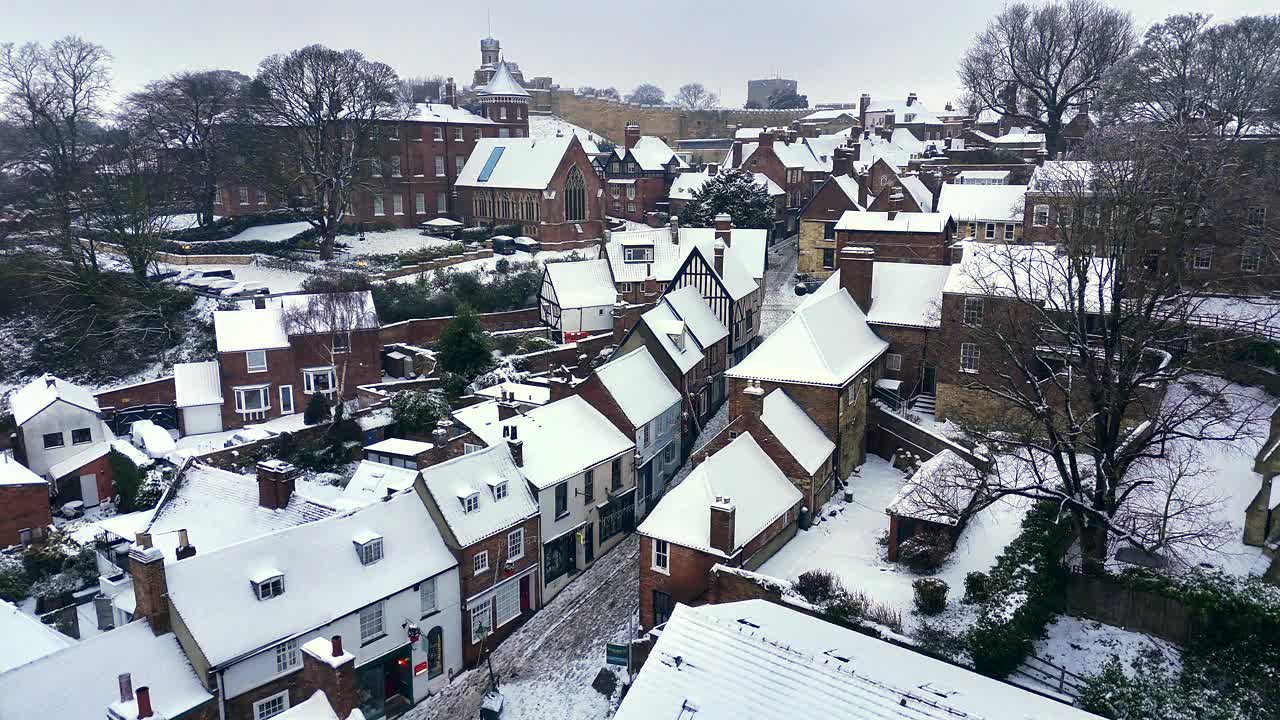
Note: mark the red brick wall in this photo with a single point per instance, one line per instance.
(154, 392)
(472, 584)
(828, 204)
(927, 248)
(686, 582)
(823, 406)
(22, 507)
(425, 331)
(913, 344)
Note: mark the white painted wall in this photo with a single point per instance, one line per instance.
(59, 417)
(202, 419)
(592, 320)
(404, 606)
(580, 511)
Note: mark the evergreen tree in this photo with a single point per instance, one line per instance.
(734, 192)
(317, 410)
(463, 347)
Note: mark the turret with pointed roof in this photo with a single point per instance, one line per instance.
(506, 102)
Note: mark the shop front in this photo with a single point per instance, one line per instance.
(384, 685)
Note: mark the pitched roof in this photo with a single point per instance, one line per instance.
(315, 313)
(561, 439)
(240, 330)
(525, 163)
(638, 386)
(921, 194)
(927, 496)
(740, 471)
(372, 480)
(651, 154)
(445, 113)
(219, 508)
(324, 577)
(796, 430)
(907, 294)
(478, 473)
(693, 309)
(903, 222)
(1026, 272)
(197, 384)
(824, 115)
(80, 681)
(583, 283)
(983, 203)
(28, 400)
(65, 467)
(13, 472)
(504, 83)
(826, 341)
(743, 261)
(666, 325)
(756, 659)
(25, 638)
(687, 183)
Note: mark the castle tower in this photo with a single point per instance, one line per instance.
(506, 103)
(490, 51)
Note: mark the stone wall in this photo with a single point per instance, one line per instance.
(890, 433)
(610, 118)
(424, 331)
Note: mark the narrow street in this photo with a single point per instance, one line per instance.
(780, 284)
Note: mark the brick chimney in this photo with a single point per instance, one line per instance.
(185, 548)
(631, 135)
(857, 266)
(327, 668)
(275, 483)
(560, 383)
(737, 154)
(857, 153)
(723, 515)
(674, 225)
(135, 706)
(718, 257)
(864, 103)
(747, 406)
(450, 93)
(515, 445)
(724, 228)
(150, 588)
(911, 99)
(506, 408)
(766, 139)
(842, 161)
(440, 442)
(713, 169)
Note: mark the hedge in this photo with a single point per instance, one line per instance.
(228, 227)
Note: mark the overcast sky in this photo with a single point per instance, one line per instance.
(835, 49)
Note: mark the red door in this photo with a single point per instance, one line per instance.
(526, 597)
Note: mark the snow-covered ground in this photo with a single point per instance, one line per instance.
(276, 279)
(390, 242)
(1079, 643)
(270, 233)
(846, 542)
(184, 221)
(780, 299)
(490, 264)
(206, 442)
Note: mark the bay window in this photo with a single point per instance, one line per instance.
(318, 380)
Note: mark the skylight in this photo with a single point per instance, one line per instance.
(494, 156)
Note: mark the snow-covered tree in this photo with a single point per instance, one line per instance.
(730, 191)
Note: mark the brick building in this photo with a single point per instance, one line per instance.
(788, 161)
(688, 183)
(489, 519)
(638, 175)
(991, 213)
(24, 504)
(735, 508)
(818, 219)
(548, 186)
(272, 359)
(898, 236)
(826, 358)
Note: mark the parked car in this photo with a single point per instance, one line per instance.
(152, 439)
(217, 285)
(527, 244)
(194, 277)
(246, 288)
(248, 435)
(162, 276)
(503, 245)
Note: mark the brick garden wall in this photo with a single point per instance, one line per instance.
(425, 331)
(154, 392)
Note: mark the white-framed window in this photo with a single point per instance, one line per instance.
(427, 596)
(287, 657)
(379, 208)
(457, 134)
(662, 556)
(442, 203)
(1251, 258)
(893, 361)
(420, 203)
(502, 112)
(1204, 258)
(515, 544)
(459, 162)
(53, 440)
(342, 342)
(991, 231)
(318, 380)
(624, 287)
(253, 399)
(480, 562)
(438, 134)
(244, 194)
(262, 196)
(504, 132)
(397, 204)
(255, 361)
(637, 254)
(1040, 215)
(80, 436)
(471, 503)
(371, 622)
(669, 454)
(286, 399)
(507, 603)
(370, 552)
(499, 491)
(395, 166)
(1008, 231)
(969, 357)
(480, 623)
(439, 166)
(468, 448)
(973, 311)
(271, 706)
(269, 587)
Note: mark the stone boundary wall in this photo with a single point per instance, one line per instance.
(175, 259)
(424, 331)
(433, 265)
(889, 432)
(610, 118)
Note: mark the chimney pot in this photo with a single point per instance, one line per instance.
(144, 703)
(517, 451)
(337, 646)
(857, 266)
(275, 483)
(125, 681)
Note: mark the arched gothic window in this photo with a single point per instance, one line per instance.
(575, 196)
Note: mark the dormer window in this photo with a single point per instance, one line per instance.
(368, 547)
(677, 339)
(268, 584)
(470, 500)
(643, 253)
(499, 489)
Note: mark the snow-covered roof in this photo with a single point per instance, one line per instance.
(479, 473)
(907, 294)
(651, 154)
(796, 430)
(583, 283)
(1020, 137)
(740, 471)
(315, 313)
(219, 508)
(13, 472)
(197, 384)
(518, 391)
(848, 185)
(81, 680)
(982, 175)
(824, 148)
(1062, 176)
(638, 386)
(826, 341)
(919, 193)
(757, 659)
(25, 638)
(371, 481)
(445, 113)
(673, 336)
(116, 527)
(399, 446)
(316, 707)
(561, 439)
(825, 115)
(324, 578)
(251, 329)
(65, 467)
(936, 491)
(1026, 272)
(30, 399)
(527, 163)
(983, 203)
(903, 222)
(549, 126)
(693, 309)
(687, 183)
(743, 260)
(504, 83)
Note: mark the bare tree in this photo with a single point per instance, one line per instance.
(126, 203)
(1034, 63)
(695, 96)
(647, 94)
(187, 116)
(1101, 350)
(329, 319)
(55, 95)
(1177, 512)
(1189, 73)
(326, 109)
(610, 92)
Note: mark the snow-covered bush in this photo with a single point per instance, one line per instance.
(976, 587)
(924, 551)
(930, 595)
(418, 411)
(817, 586)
